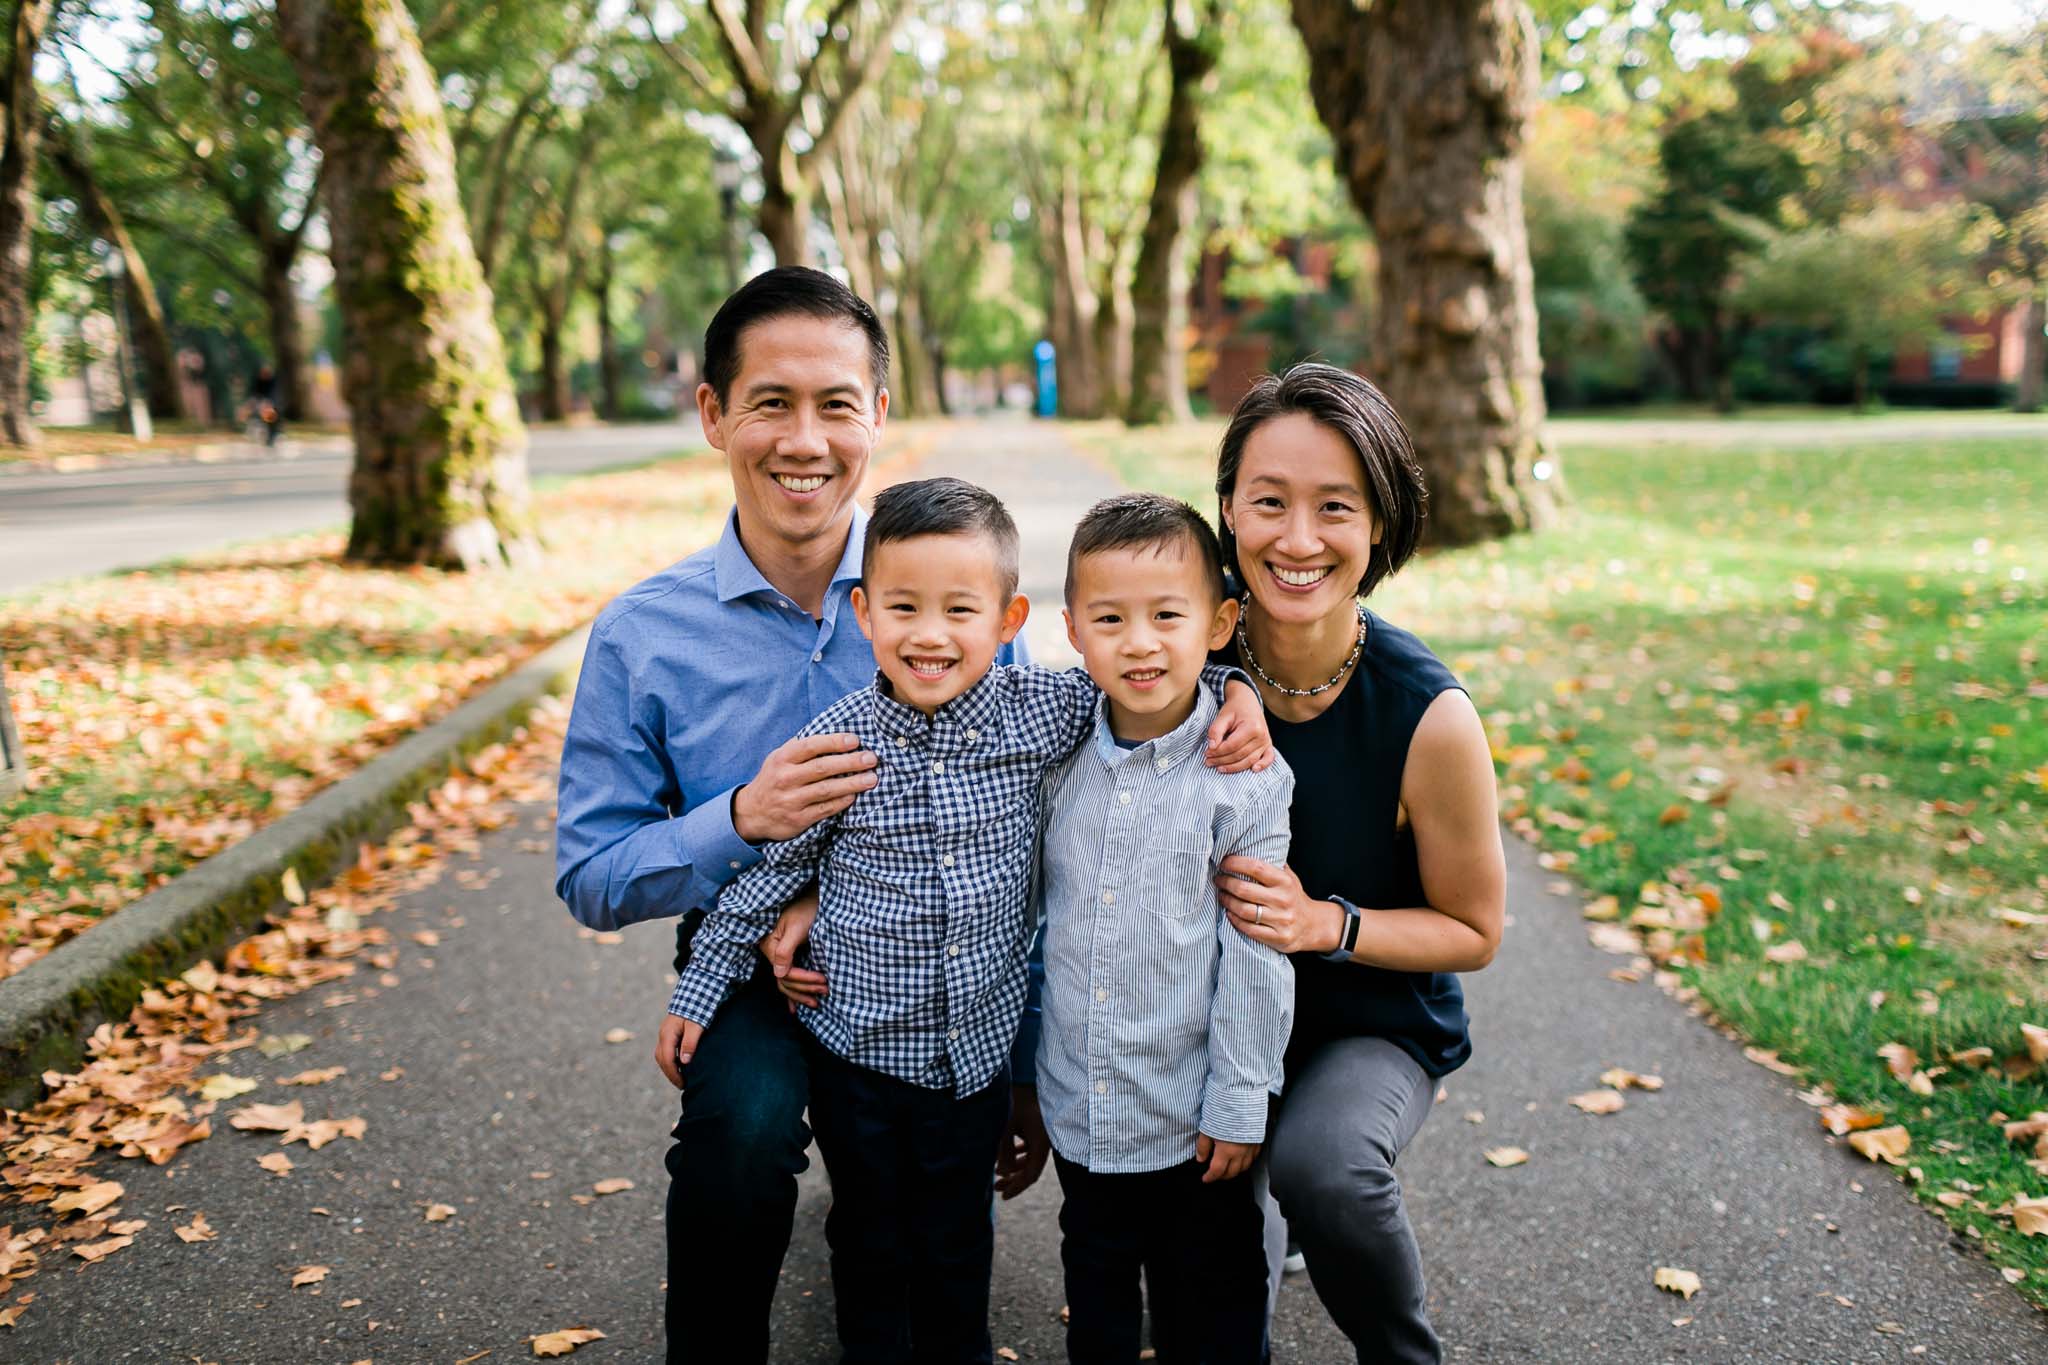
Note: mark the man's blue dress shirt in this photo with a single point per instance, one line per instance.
(690, 680)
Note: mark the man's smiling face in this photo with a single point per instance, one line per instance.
(797, 429)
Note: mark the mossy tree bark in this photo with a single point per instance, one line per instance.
(24, 130)
(1428, 101)
(440, 467)
(1159, 285)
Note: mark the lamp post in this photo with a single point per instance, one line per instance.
(725, 173)
(13, 766)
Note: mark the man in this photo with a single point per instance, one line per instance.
(671, 774)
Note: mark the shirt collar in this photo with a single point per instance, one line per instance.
(973, 711)
(1168, 750)
(738, 577)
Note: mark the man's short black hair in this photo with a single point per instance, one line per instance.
(1134, 520)
(942, 507)
(784, 291)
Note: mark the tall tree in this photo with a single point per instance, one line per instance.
(105, 220)
(210, 93)
(1193, 34)
(790, 80)
(440, 465)
(24, 130)
(1428, 102)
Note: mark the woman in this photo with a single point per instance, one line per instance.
(1395, 879)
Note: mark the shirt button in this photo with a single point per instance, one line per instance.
(1161, 765)
(974, 734)
(938, 765)
(953, 950)
(1102, 995)
(819, 657)
(1109, 898)
(953, 1034)
(1102, 1087)
(734, 864)
(903, 741)
(947, 860)
(1124, 797)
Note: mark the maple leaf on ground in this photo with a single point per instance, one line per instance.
(1620, 1078)
(319, 1076)
(618, 1035)
(2030, 1216)
(268, 1118)
(88, 1201)
(1842, 1119)
(2037, 1042)
(1770, 1061)
(1598, 1102)
(308, 1274)
(1506, 1156)
(10, 1316)
(222, 1086)
(562, 1342)
(1685, 1283)
(440, 1213)
(198, 1230)
(1883, 1144)
(618, 1185)
(99, 1251)
(277, 1163)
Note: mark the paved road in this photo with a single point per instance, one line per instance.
(500, 1033)
(56, 526)
(1788, 433)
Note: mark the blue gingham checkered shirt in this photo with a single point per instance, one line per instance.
(1160, 1018)
(922, 882)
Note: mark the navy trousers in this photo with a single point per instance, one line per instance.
(911, 1228)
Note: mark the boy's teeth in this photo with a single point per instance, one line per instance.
(808, 484)
(1299, 578)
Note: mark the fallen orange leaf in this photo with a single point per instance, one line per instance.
(308, 1274)
(562, 1342)
(1883, 1144)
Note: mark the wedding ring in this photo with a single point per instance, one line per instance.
(1258, 914)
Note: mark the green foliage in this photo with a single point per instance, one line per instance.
(1905, 271)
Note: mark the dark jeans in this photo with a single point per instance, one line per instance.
(1202, 1251)
(732, 1178)
(910, 1229)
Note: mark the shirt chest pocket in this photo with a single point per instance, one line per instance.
(1173, 877)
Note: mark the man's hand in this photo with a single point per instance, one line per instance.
(799, 985)
(1238, 737)
(675, 1045)
(1021, 1158)
(1225, 1160)
(800, 784)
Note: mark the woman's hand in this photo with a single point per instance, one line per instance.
(1268, 906)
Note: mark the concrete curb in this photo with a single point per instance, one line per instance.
(49, 1007)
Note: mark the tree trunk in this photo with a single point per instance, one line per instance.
(2027, 394)
(440, 467)
(1075, 362)
(17, 219)
(785, 212)
(1114, 322)
(1427, 102)
(920, 380)
(1159, 284)
(554, 375)
(607, 342)
(287, 346)
(103, 217)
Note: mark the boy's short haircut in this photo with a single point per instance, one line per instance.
(942, 507)
(1131, 520)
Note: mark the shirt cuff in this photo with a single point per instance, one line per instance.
(699, 992)
(713, 847)
(1234, 1113)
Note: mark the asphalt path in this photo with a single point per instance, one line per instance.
(481, 1067)
(56, 526)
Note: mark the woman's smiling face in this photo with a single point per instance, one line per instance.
(1304, 526)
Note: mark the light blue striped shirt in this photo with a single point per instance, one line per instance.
(1160, 1019)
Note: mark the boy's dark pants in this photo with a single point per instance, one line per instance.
(1202, 1248)
(910, 1229)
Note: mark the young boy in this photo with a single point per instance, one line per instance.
(1163, 1027)
(921, 929)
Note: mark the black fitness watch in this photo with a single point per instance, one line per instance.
(1347, 942)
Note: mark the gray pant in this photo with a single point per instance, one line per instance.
(1331, 1145)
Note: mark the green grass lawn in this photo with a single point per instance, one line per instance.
(1788, 709)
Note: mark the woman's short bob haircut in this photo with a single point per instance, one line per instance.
(1355, 409)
